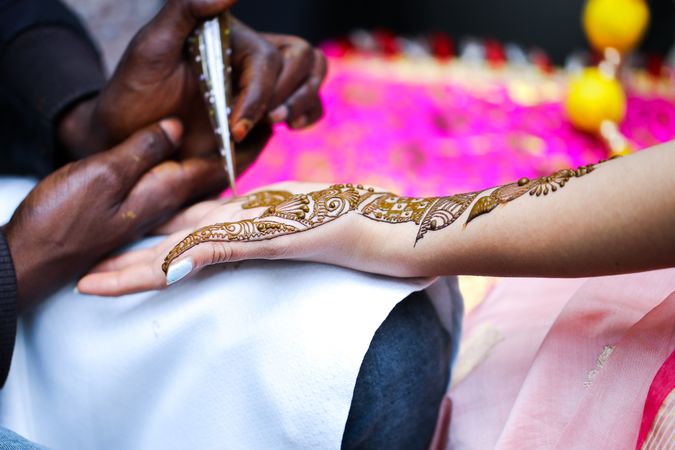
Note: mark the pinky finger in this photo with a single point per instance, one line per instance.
(130, 280)
(222, 252)
(131, 272)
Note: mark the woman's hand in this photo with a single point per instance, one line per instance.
(294, 221)
(607, 218)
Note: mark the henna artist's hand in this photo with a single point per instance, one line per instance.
(78, 214)
(276, 78)
(296, 95)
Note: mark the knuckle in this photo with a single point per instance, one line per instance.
(270, 55)
(301, 49)
(306, 57)
(150, 144)
(106, 174)
(274, 249)
(221, 253)
(305, 48)
(157, 189)
(151, 139)
(152, 47)
(292, 41)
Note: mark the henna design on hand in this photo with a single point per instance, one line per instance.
(296, 213)
(266, 199)
(287, 213)
(433, 213)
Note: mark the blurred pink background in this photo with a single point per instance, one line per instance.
(426, 127)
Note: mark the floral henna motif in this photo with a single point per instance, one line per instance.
(540, 186)
(392, 209)
(444, 212)
(288, 214)
(433, 213)
(265, 199)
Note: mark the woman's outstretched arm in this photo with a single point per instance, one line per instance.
(618, 218)
(612, 217)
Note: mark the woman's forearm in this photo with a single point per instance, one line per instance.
(610, 218)
(618, 217)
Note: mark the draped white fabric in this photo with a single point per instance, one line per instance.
(245, 356)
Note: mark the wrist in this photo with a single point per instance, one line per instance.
(22, 268)
(40, 266)
(383, 248)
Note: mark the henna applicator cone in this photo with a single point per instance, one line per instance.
(211, 52)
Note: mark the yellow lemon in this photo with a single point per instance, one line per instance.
(615, 23)
(592, 98)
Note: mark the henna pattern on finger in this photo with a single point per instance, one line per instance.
(288, 213)
(297, 213)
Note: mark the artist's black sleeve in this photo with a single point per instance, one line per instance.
(47, 64)
(8, 297)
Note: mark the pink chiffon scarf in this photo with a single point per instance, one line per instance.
(570, 365)
(657, 430)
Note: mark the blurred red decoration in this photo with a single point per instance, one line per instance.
(655, 65)
(494, 53)
(442, 47)
(540, 59)
(387, 42)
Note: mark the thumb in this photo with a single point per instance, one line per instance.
(166, 33)
(145, 149)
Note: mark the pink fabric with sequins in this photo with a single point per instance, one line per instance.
(451, 128)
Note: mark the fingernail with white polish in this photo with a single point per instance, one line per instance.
(76, 290)
(178, 271)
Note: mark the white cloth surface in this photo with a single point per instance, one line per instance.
(256, 355)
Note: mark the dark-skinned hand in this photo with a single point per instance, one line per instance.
(275, 79)
(88, 208)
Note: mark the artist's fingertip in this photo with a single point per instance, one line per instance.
(241, 129)
(178, 270)
(300, 122)
(280, 114)
(173, 130)
(76, 290)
